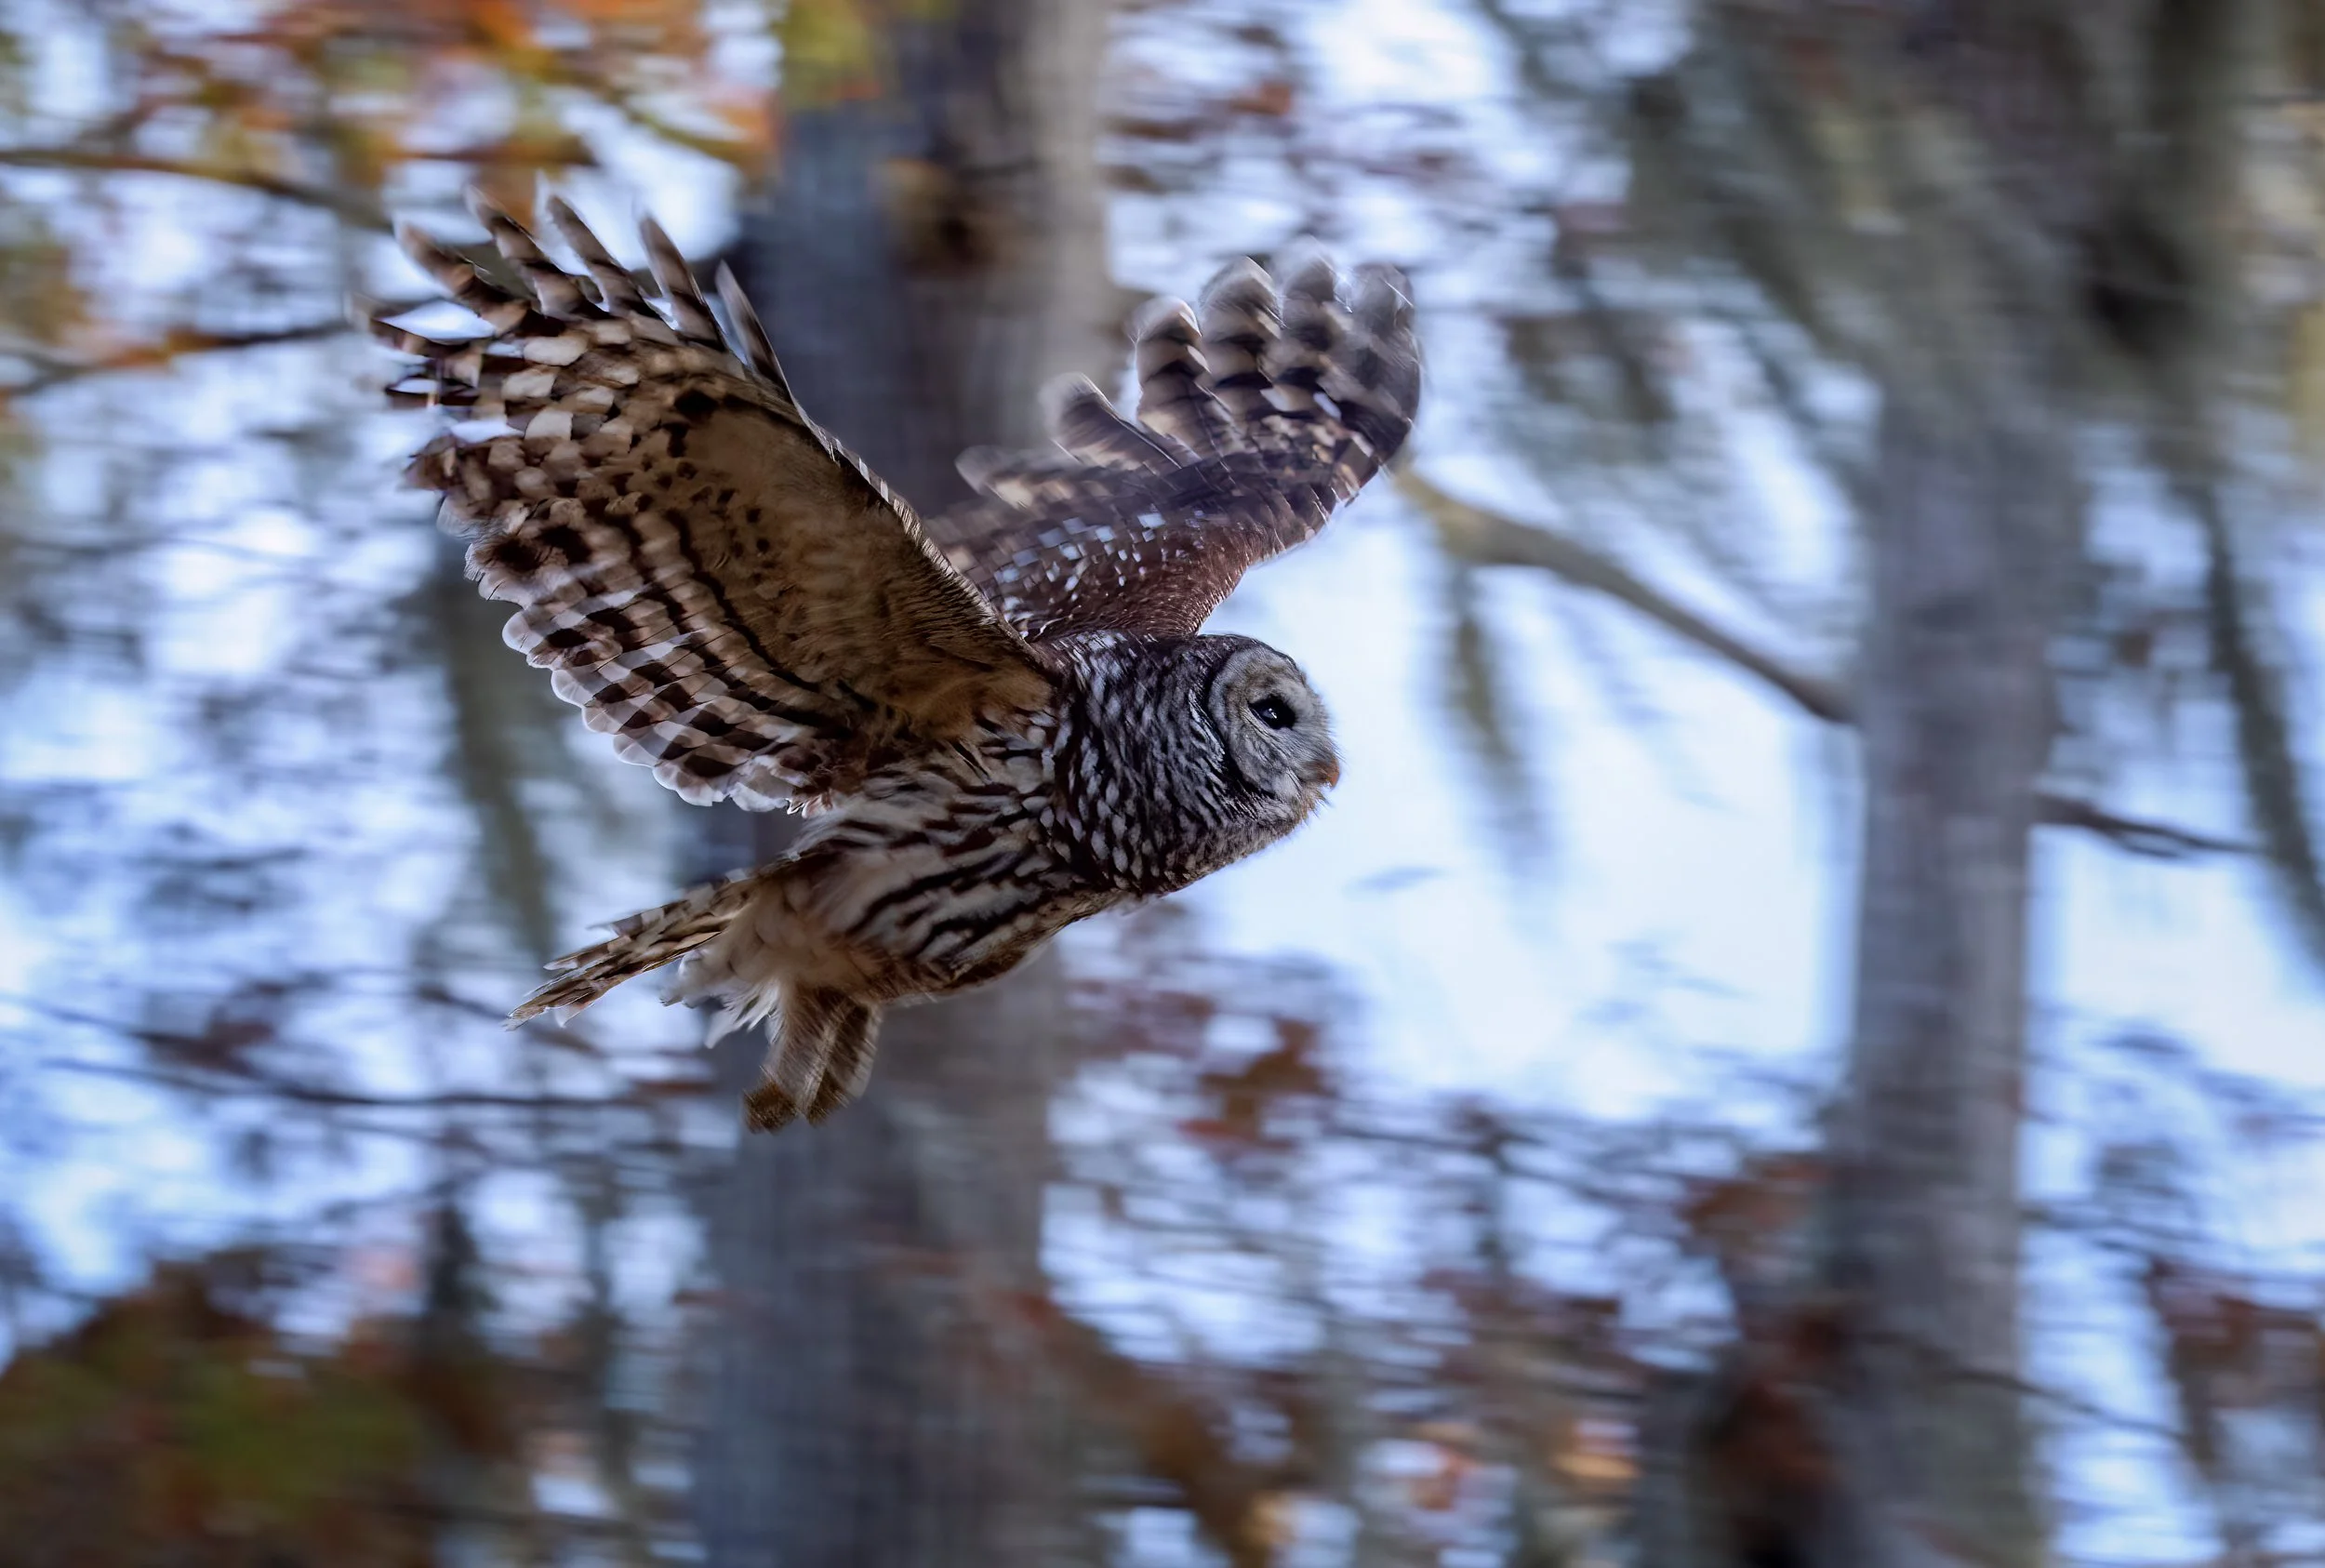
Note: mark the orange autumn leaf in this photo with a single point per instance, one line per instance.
(830, 52)
(669, 17)
(171, 1424)
(748, 116)
(500, 24)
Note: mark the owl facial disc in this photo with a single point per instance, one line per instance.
(1277, 734)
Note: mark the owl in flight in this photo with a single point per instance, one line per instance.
(1000, 720)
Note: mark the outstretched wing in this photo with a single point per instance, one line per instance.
(1260, 413)
(711, 578)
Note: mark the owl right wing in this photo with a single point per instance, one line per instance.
(711, 578)
(1260, 413)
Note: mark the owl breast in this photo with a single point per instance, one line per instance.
(944, 873)
(947, 869)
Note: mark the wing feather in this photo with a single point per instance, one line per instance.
(715, 582)
(1261, 412)
(1084, 421)
(616, 290)
(680, 291)
(751, 337)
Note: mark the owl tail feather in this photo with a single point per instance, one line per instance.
(641, 942)
(820, 1057)
(820, 1040)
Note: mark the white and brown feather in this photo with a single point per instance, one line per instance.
(708, 575)
(1260, 413)
(995, 738)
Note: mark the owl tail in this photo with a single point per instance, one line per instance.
(643, 941)
(821, 1039)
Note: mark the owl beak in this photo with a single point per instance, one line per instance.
(1326, 773)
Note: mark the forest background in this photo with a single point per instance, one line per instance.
(1797, 1043)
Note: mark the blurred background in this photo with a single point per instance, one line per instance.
(1798, 1043)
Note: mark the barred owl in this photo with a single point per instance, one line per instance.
(998, 720)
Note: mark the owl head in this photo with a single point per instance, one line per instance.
(1190, 754)
(1272, 724)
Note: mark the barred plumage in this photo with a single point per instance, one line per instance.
(995, 738)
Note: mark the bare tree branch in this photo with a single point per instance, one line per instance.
(2158, 841)
(246, 1083)
(50, 370)
(1488, 539)
(358, 210)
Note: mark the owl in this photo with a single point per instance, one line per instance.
(996, 722)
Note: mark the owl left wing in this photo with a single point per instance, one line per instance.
(1260, 412)
(724, 590)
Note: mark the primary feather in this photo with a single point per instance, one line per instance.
(684, 548)
(1259, 415)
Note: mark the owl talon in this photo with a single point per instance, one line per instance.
(770, 1108)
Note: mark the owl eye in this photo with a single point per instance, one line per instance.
(1274, 713)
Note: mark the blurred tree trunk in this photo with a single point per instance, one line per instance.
(1996, 178)
(1972, 542)
(1936, 1461)
(925, 259)
(1933, 190)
